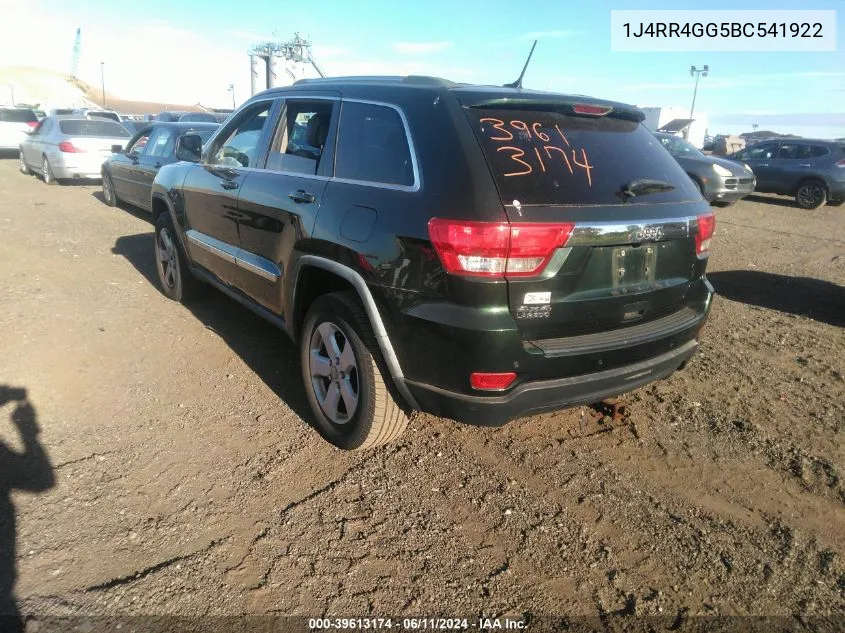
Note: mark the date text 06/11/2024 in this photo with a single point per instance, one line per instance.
(416, 624)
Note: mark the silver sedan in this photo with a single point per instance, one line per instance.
(62, 147)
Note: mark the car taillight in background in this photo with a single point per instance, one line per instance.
(840, 163)
(70, 148)
(706, 228)
(32, 124)
(496, 249)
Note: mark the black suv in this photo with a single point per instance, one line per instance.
(812, 171)
(476, 252)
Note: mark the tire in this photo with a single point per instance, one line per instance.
(811, 195)
(47, 173)
(24, 167)
(174, 276)
(109, 196)
(700, 186)
(370, 416)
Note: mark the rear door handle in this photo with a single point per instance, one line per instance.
(229, 184)
(805, 165)
(302, 196)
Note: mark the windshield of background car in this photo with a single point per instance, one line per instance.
(679, 147)
(17, 115)
(547, 157)
(73, 127)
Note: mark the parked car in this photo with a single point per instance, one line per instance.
(813, 171)
(198, 117)
(102, 114)
(720, 180)
(62, 147)
(61, 112)
(15, 124)
(168, 116)
(128, 173)
(476, 252)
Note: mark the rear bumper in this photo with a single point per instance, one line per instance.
(548, 395)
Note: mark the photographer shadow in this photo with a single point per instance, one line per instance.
(29, 471)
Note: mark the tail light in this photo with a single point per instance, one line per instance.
(706, 228)
(840, 163)
(496, 249)
(70, 148)
(490, 381)
(32, 124)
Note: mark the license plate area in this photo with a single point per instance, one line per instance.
(633, 265)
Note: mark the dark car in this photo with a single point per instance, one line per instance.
(812, 171)
(128, 173)
(720, 180)
(169, 116)
(480, 253)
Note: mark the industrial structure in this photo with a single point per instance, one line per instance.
(267, 60)
(74, 61)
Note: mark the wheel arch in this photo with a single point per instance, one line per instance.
(808, 179)
(340, 277)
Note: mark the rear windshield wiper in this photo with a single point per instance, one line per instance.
(643, 187)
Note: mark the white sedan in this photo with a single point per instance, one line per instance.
(63, 147)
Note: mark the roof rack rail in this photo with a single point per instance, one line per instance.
(419, 80)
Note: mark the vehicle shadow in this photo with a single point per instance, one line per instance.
(781, 201)
(820, 300)
(128, 208)
(262, 346)
(30, 471)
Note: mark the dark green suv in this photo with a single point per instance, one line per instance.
(476, 252)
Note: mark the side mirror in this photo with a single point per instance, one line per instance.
(117, 149)
(189, 148)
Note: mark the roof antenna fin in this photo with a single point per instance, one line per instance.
(518, 82)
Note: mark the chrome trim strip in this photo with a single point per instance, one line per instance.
(261, 266)
(363, 291)
(243, 259)
(632, 232)
(214, 246)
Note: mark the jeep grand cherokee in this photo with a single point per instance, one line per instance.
(476, 252)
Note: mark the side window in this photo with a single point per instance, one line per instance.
(239, 145)
(788, 150)
(373, 146)
(157, 145)
(818, 150)
(766, 150)
(137, 148)
(301, 137)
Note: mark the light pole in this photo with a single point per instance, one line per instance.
(232, 90)
(12, 92)
(103, 81)
(695, 72)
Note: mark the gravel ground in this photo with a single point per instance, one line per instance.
(187, 480)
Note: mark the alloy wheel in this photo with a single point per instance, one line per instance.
(166, 259)
(334, 372)
(811, 196)
(108, 190)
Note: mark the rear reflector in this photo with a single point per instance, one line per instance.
(491, 382)
(592, 110)
(496, 249)
(706, 228)
(67, 146)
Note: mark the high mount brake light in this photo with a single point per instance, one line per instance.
(593, 110)
(496, 249)
(706, 228)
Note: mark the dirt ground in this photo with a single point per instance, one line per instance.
(188, 480)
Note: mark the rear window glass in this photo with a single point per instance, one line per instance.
(105, 115)
(544, 157)
(73, 127)
(17, 115)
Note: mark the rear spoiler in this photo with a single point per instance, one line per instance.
(568, 105)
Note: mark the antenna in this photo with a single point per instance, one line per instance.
(518, 82)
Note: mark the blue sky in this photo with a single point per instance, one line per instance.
(191, 50)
